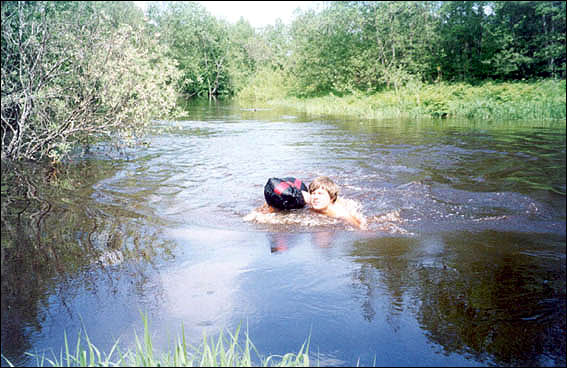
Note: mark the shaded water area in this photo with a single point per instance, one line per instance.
(463, 263)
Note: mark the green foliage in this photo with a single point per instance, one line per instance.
(201, 45)
(73, 70)
(502, 40)
(371, 46)
(241, 64)
(544, 100)
(362, 46)
(224, 351)
(272, 46)
(265, 85)
(528, 39)
(461, 31)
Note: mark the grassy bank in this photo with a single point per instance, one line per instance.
(226, 350)
(539, 100)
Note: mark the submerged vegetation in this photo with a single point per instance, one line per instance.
(77, 72)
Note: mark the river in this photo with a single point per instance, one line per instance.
(463, 263)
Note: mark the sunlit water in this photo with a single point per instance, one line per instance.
(463, 263)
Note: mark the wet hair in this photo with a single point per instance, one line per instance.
(324, 182)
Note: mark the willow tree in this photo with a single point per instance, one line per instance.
(363, 45)
(241, 60)
(529, 38)
(73, 71)
(323, 46)
(199, 43)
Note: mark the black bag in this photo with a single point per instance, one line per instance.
(285, 194)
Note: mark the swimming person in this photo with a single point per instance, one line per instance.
(324, 199)
(322, 196)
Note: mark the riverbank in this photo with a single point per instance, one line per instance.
(539, 100)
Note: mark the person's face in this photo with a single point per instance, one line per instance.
(320, 199)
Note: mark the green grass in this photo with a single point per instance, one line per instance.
(539, 100)
(226, 350)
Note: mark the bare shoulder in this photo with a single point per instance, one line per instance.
(341, 208)
(347, 206)
(350, 211)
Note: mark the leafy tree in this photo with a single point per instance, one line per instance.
(275, 41)
(350, 46)
(462, 39)
(74, 70)
(199, 43)
(400, 41)
(323, 44)
(367, 45)
(241, 63)
(530, 39)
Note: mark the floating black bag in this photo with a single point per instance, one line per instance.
(284, 194)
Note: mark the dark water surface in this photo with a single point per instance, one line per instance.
(463, 264)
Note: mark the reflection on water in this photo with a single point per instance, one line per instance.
(58, 243)
(506, 305)
(463, 263)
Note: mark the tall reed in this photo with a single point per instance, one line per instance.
(228, 350)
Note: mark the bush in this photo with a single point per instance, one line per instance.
(267, 84)
(541, 100)
(73, 70)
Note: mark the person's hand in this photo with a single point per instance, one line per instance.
(359, 221)
(266, 208)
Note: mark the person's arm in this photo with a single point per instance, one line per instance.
(353, 218)
(358, 221)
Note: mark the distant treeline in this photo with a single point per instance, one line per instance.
(72, 71)
(368, 45)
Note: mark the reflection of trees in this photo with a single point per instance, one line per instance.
(499, 301)
(52, 231)
(388, 256)
(497, 297)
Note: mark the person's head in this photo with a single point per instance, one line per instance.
(323, 191)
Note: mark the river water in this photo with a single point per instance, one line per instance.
(463, 263)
